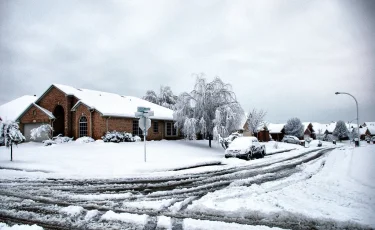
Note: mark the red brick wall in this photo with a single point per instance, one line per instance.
(29, 117)
(158, 135)
(53, 98)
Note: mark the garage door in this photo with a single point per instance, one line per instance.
(29, 127)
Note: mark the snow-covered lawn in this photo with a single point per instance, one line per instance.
(338, 186)
(110, 160)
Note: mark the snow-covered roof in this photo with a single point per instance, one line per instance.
(48, 113)
(371, 129)
(370, 123)
(275, 128)
(12, 109)
(362, 131)
(319, 127)
(331, 127)
(111, 104)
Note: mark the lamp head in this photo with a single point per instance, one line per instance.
(337, 93)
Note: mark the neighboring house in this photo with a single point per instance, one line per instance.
(11, 110)
(82, 112)
(368, 123)
(363, 132)
(308, 130)
(276, 131)
(371, 130)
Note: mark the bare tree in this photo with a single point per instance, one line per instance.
(255, 120)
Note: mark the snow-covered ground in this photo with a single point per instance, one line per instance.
(339, 186)
(291, 188)
(112, 160)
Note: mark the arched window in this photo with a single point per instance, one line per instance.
(83, 127)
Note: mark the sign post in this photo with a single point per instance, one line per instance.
(144, 122)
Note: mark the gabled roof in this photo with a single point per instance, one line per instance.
(113, 105)
(319, 127)
(13, 109)
(306, 125)
(45, 111)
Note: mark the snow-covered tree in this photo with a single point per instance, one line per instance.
(10, 135)
(294, 127)
(166, 98)
(341, 131)
(189, 129)
(151, 97)
(255, 120)
(42, 131)
(213, 104)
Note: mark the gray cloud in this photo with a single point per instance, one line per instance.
(288, 57)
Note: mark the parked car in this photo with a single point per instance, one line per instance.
(245, 148)
(291, 140)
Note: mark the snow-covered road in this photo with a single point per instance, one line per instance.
(158, 202)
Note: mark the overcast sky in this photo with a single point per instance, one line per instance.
(286, 57)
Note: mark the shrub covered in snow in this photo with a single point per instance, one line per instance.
(225, 142)
(137, 138)
(85, 140)
(48, 142)
(118, 137)
(62, 139)
(42, 131)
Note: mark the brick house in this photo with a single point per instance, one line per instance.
(308, 130)
(81, 112)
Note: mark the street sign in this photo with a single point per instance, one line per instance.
(142, 124)
(138, 114)
(142, 109)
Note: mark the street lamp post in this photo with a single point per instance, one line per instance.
(356, 102)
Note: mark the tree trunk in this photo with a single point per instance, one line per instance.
(11, 152)
(209, 140)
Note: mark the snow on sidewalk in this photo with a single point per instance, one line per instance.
(339, 187)
(4, 226)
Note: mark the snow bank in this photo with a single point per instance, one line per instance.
(4, 226)
(193, 224)
(337, 187)
(85, 140)
(72, 210)
(125, 217)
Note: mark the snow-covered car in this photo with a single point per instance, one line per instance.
(245, 148)
(291, 140)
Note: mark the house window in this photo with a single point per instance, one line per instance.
(34, 113)
(136, 130)
(170, 129)
(83, 127)
(156, 127)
